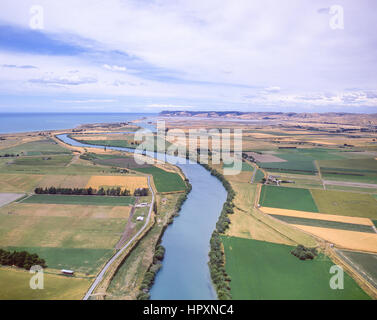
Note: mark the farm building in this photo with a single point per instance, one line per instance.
(67, 272)
(139, 218)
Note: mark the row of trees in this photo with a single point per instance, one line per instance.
(150, 275)
(160, 250)
(8, 155)
(21, 259)
(116, 192)
(216, 256)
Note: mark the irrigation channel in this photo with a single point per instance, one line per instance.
(185, 273)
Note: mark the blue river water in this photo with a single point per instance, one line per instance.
(185, 273)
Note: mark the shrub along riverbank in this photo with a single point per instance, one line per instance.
(216, 256)
(156, 265)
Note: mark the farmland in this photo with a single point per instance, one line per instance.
(262, 270)
(124, 182)
(80, 200)
(55, 287)
(164, 181)
(345, 203)
(287, 198)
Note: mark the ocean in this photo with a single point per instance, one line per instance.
(25, 122)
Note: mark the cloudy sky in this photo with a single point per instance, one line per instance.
(152, 55)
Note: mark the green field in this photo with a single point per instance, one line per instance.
(80, 260)
(262, 270)
(287, 198)
(15, 286)
(64, 232)
(41, 147)
(258, 176)
(345, 203)
(357, 170)
(245, 166)
(80, 200)
(163, 180)
(324, 223)
(367, 262)
(59, 161)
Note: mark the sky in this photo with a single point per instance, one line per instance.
(153, 55)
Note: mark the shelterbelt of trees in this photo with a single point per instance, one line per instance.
(216, 256)
(115, 192)
(21, 259)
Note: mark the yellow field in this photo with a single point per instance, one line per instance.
(318, 216)
(125, 182)
(66, 210)
(64, 181)
(247, 222)
(19, 182)
(15, 286)
(360, 241)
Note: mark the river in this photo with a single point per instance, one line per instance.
(185, 273)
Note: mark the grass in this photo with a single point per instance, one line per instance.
(245, 166)
(63, 232)
(258, 176)
(287, 198)
(80, 200)
(15, 286)
(356, 170)
(324, 223)
(19, 182)
(78, 259)
(263, 270)
(345, 203)
(164, 181)
(40, 147)
(59, 161)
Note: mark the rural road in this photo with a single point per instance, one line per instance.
(111, 261)
(350, 184)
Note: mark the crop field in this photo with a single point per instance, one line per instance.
(66, 210)
(246, 222)
(353, 240)
(324, 223)
(64, 181)
(117, 161)
(19, 182)
(258, 176)
(164, 181)
(80, 200)
(318, 216)
(345, 203)
(287, 198)
(245, 166)
(302, 167)
(55, 287)
(358, 170)
(61, 160)
(60, 231)
(125, 182)
(367, 262)
(81, 260)
(263, 270)
(39, 147)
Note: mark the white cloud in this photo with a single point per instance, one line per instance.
(114, 68)
(260, 44)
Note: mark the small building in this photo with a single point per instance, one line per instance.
(140, 219)
(67, 272)
(142, 205)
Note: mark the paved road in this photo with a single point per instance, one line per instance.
(111, 261)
